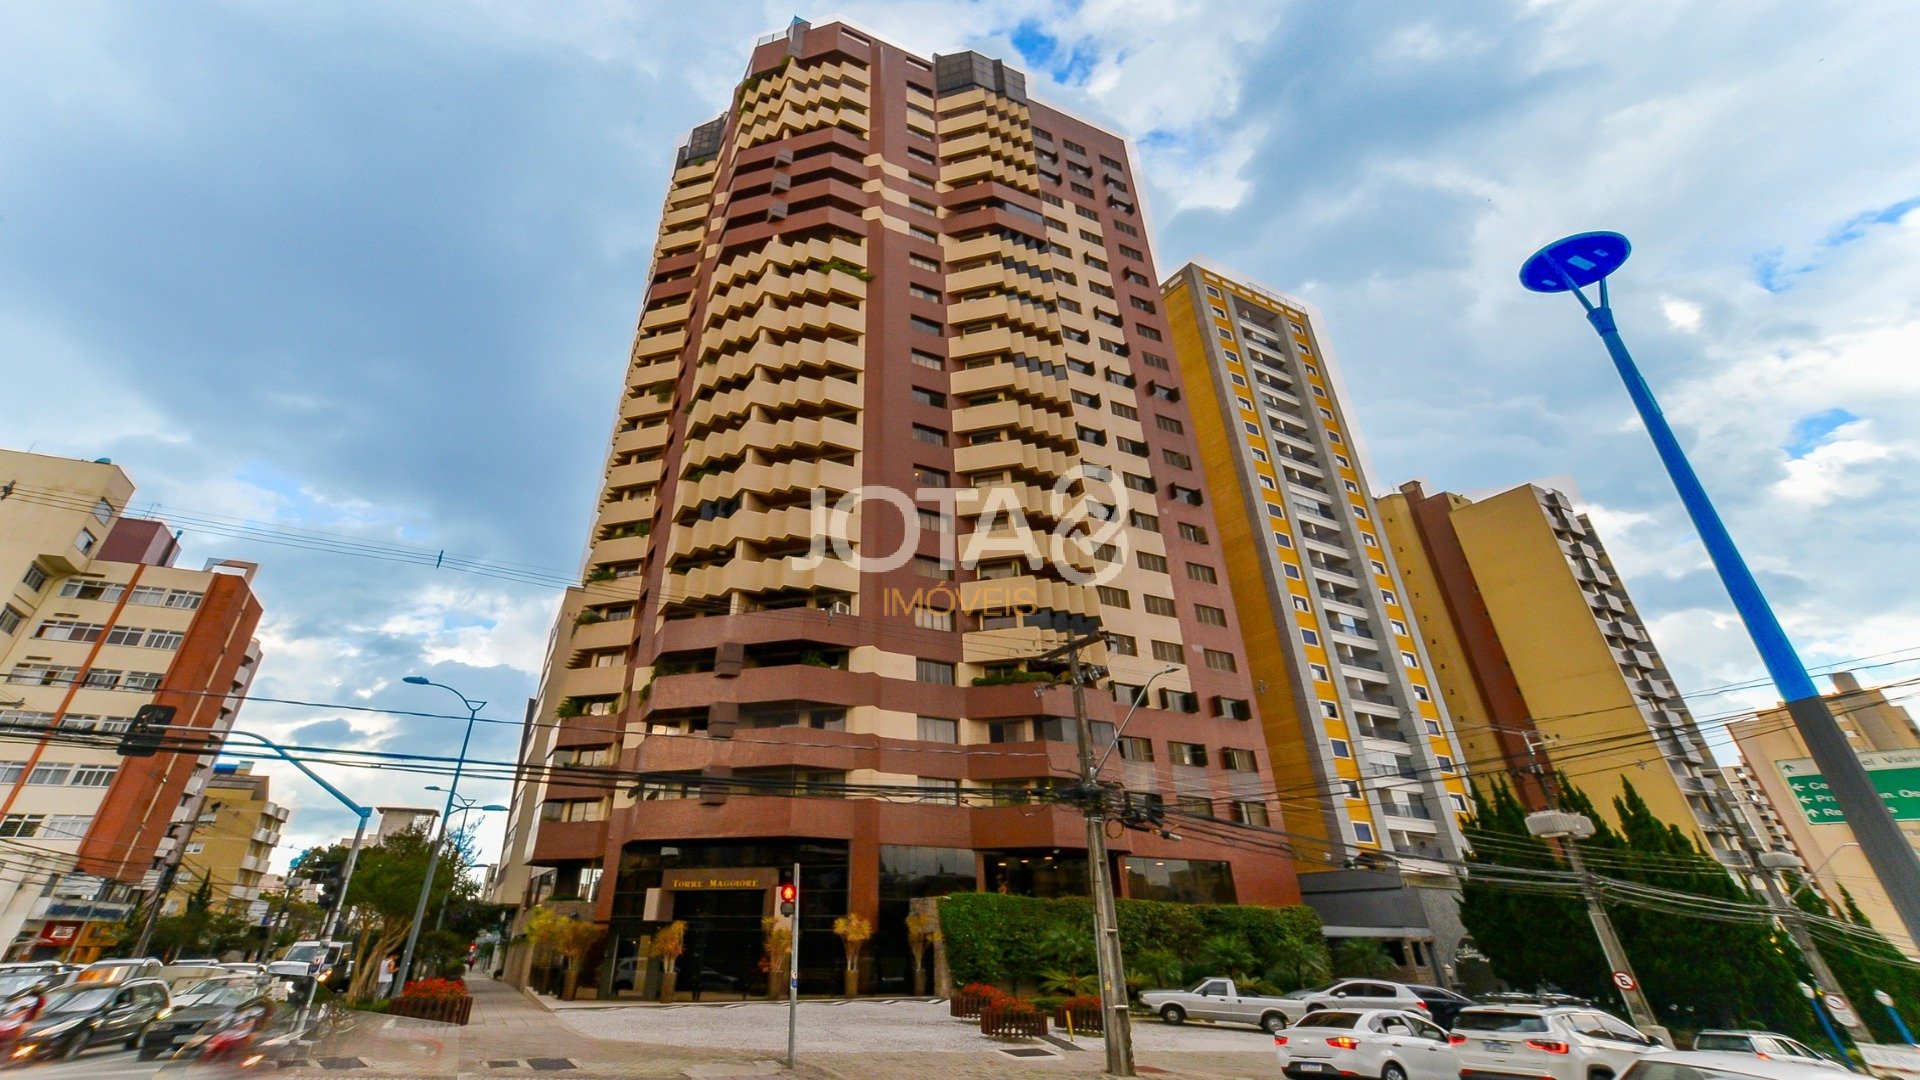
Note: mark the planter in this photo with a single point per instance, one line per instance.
(967, 1006)
(1080, 1019)
(444, 1010)
(1013, 1020)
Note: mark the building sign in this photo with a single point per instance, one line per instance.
(746, 877)
(1895, 775)
(59, 933)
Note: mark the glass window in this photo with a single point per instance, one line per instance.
(1191, 881)
(934, 671)
(939, 729)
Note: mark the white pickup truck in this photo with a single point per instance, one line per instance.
(1220, 1001)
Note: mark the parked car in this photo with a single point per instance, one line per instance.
(1220, 1001)
(331, 962)
(1388, 1043)
(119, 971)
(1763, 1044)
(1442, 1004)
(1498, 1042)
(1722, 1065)
(1371, 994)
(20, 979)
(216, 1004)
(80, 1015)
(183, 977)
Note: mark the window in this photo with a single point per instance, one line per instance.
(68, 630)
(1125, 411)
(1320, 673)
(1202, 573)
(53, 775)
(927, 360)
(1194, 533)
(1330, 710)
(93, 589)
(921, 292)
(67, 826)
(1220, 660)
(939, 729)
(1410, 660)
(1170, 651)
(10, 619)
(1445, 762)
(21, 824)
(164, 639)
(36, 578)
(1176, 459)
(125, 635)
(928, 618)
(1150, 561)
(924, 396)
(929, 435)
(1310, 637)
(1458, 802)
(1421, 692)
(1142, 520)
(1388, 597)
(1250, 813)
(927, 326)
(1291, 570)
(1113, 597)
(1236, 760)
(1122, 645)
(938, 672)
(1399, 627)
(1186, 753)
(929, 477)
(1195, 805)
(1159, 605)
(931, 566)
(1210, 615)
(85, 541)
(1135, 748)
(574, 810)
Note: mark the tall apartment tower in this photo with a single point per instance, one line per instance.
(1545, 663)
(1784, 779)
(1364, 756)
(96, 621)
(232, 841)
(889, 276)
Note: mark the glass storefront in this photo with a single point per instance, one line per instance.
(1189, 881)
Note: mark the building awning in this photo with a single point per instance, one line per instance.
(1410, 933)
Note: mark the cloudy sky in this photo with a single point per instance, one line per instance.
(371, 270)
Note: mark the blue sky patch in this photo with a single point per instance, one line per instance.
(1812, 432)
(1772, 273)
(1068, 67)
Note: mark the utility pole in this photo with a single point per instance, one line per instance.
(1567, 827)
(1115, 1024)
(1769, 863)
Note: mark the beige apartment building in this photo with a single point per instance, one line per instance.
(1545, 662)
(1791, 787)
(232, 841)
(95, 622)
(1364, 755)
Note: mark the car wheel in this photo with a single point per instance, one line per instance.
(74, 1045)
(137, 1039)
(1393, 1072)
(1273, 1023)
(1173, 1014)
(1599, 1074)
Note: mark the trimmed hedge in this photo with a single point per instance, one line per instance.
(1010, 940)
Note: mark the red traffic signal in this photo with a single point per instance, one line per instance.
(789, 893)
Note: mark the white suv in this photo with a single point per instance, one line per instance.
(1505, 1042)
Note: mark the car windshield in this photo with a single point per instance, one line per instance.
(1741, 1044)
(78, 1001)
(306, 954)
(13, 984)
(1500, 1022)
(224, 994)
(1330, 1019)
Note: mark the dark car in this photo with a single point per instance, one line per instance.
(31, 979)
(1442, 1004)
(215, 1004)
(74, 1017)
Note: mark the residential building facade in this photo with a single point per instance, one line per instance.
(1790, 784)
(232, 841)
(900, 394)
(1364, 754)
(95, 622)
(1544, 661)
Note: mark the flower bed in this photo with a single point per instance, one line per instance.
(1011, 1018)
(442, 1000)
(1084, 1012)
(971, 998)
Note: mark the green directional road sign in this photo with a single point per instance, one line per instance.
(1895, 775)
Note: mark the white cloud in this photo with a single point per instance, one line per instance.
(1681, 314)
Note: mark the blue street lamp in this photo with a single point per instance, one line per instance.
(401, 973)
(1819, 1010)
(1572, 264)
(1886, 1002)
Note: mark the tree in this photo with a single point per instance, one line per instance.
(1862, 959)
(1696, 971)
(853, 930)
(384, 890)
(922, 931)
(553, 932)
(1364, 957)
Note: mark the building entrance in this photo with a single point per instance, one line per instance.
(723, 943)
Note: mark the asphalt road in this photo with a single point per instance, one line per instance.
(114, 1063)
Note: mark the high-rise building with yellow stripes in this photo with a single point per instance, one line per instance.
(1365, 761)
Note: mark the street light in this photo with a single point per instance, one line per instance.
(1566, 827)
(1571, 264)
(466, 804)
(433, 857)
(1772, 863)
(1886, 1002)
(1819, 1010)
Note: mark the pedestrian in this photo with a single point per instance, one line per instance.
(387, 968)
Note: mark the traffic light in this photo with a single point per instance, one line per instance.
(789, 896)
(143, 737)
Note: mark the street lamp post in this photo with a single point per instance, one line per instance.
(1568, 827)
(466, 804)
(1571, 264)
(1773, 863)
(1899, 1023)
(433, 857)
(1819, 1010)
